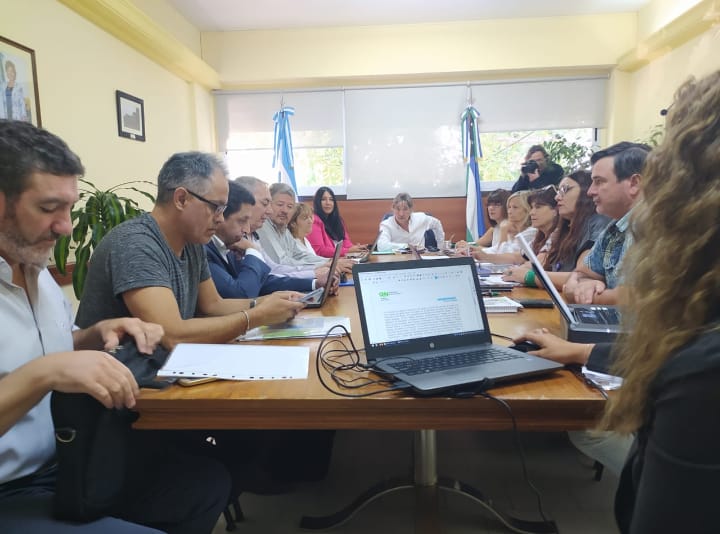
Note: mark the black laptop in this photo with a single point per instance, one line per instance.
(581, 323)
(364, 257)
(319, 296)
(424, 323)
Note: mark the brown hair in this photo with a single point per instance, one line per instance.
(671, 302)
(301, 210)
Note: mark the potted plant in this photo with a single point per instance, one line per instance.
(101, 211)
(568, 154)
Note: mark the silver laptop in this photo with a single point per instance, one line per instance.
(319, 298)
(424, 323)
(581, 323)
(363, 257)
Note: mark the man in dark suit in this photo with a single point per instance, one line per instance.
(237, 273)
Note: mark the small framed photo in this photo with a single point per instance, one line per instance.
(130, 116)
(19, 96)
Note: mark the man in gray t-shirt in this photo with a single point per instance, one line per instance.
(154, 267)
(149, 262)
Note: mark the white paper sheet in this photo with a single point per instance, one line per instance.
(237, 362)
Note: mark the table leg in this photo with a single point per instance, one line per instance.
(426, 485)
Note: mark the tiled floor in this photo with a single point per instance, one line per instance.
(487, 460)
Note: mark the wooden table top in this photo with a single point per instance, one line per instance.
(559, 401)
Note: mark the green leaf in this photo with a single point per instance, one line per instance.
(80, 231)
(113, 210)
(82, 255)
(61, 253)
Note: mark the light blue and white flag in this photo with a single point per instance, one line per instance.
(283, 161)
(472, 154)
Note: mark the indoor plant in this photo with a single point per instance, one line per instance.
(99, 211)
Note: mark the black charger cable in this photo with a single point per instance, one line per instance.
(521, 453)
(330, 361)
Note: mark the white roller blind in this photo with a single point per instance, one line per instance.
(244, 121)
(408, 139)
(541, 105)
(405, 139)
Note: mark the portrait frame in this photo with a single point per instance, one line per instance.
(130, 116)
(24, 99)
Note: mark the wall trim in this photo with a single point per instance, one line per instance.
(132, 26)
(695, 21)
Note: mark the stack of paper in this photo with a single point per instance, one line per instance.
(236, 362)
(501, 305)
(300, 327)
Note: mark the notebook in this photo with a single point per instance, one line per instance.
(424, 322)
(581, 323)
(322, 296)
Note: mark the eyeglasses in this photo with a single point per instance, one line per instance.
(551, 187)
(563, 189)
(219, 208)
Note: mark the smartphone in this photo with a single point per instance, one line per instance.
(313, 296)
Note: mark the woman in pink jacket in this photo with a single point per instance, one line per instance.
(329, 227)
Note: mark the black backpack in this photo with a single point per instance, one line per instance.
(93, 443)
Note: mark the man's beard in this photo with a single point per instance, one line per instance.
(19, 248)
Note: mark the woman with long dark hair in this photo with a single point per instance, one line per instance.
(329, 227)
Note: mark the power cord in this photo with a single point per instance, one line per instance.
(521, 453)
(342, 363)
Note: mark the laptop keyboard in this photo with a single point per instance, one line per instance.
(444, 362)
(597, 315)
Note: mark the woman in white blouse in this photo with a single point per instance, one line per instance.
(300, 225)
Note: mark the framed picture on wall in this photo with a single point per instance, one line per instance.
(130, 116)
(19, 97)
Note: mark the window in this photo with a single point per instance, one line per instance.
(245, 135)
(375, 142)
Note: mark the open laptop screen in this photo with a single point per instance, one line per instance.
(406, 303)
(542, 274)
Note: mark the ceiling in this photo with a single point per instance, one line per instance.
(229, 15)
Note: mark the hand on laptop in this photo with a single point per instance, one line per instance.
(582, 291)
(555, 348)
(322, 280)
(357, 248)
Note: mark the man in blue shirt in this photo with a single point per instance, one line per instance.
(615, 190)
(237, 274)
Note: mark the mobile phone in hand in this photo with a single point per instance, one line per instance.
(313, 296)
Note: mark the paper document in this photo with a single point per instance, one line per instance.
(607, 382)
(300, 327)
(501, 305)
(237, 362)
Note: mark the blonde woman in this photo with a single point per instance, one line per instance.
(301, 224)
(518, 223)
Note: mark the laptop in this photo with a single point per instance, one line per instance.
(363, 257)
(581, 323)
(316, 298)
(424, 322)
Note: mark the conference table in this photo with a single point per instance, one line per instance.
(555, 402)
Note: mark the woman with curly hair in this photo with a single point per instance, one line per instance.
(329, 227)
(670, 397)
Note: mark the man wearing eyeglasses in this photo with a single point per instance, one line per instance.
(537, 171)
(155, 265)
